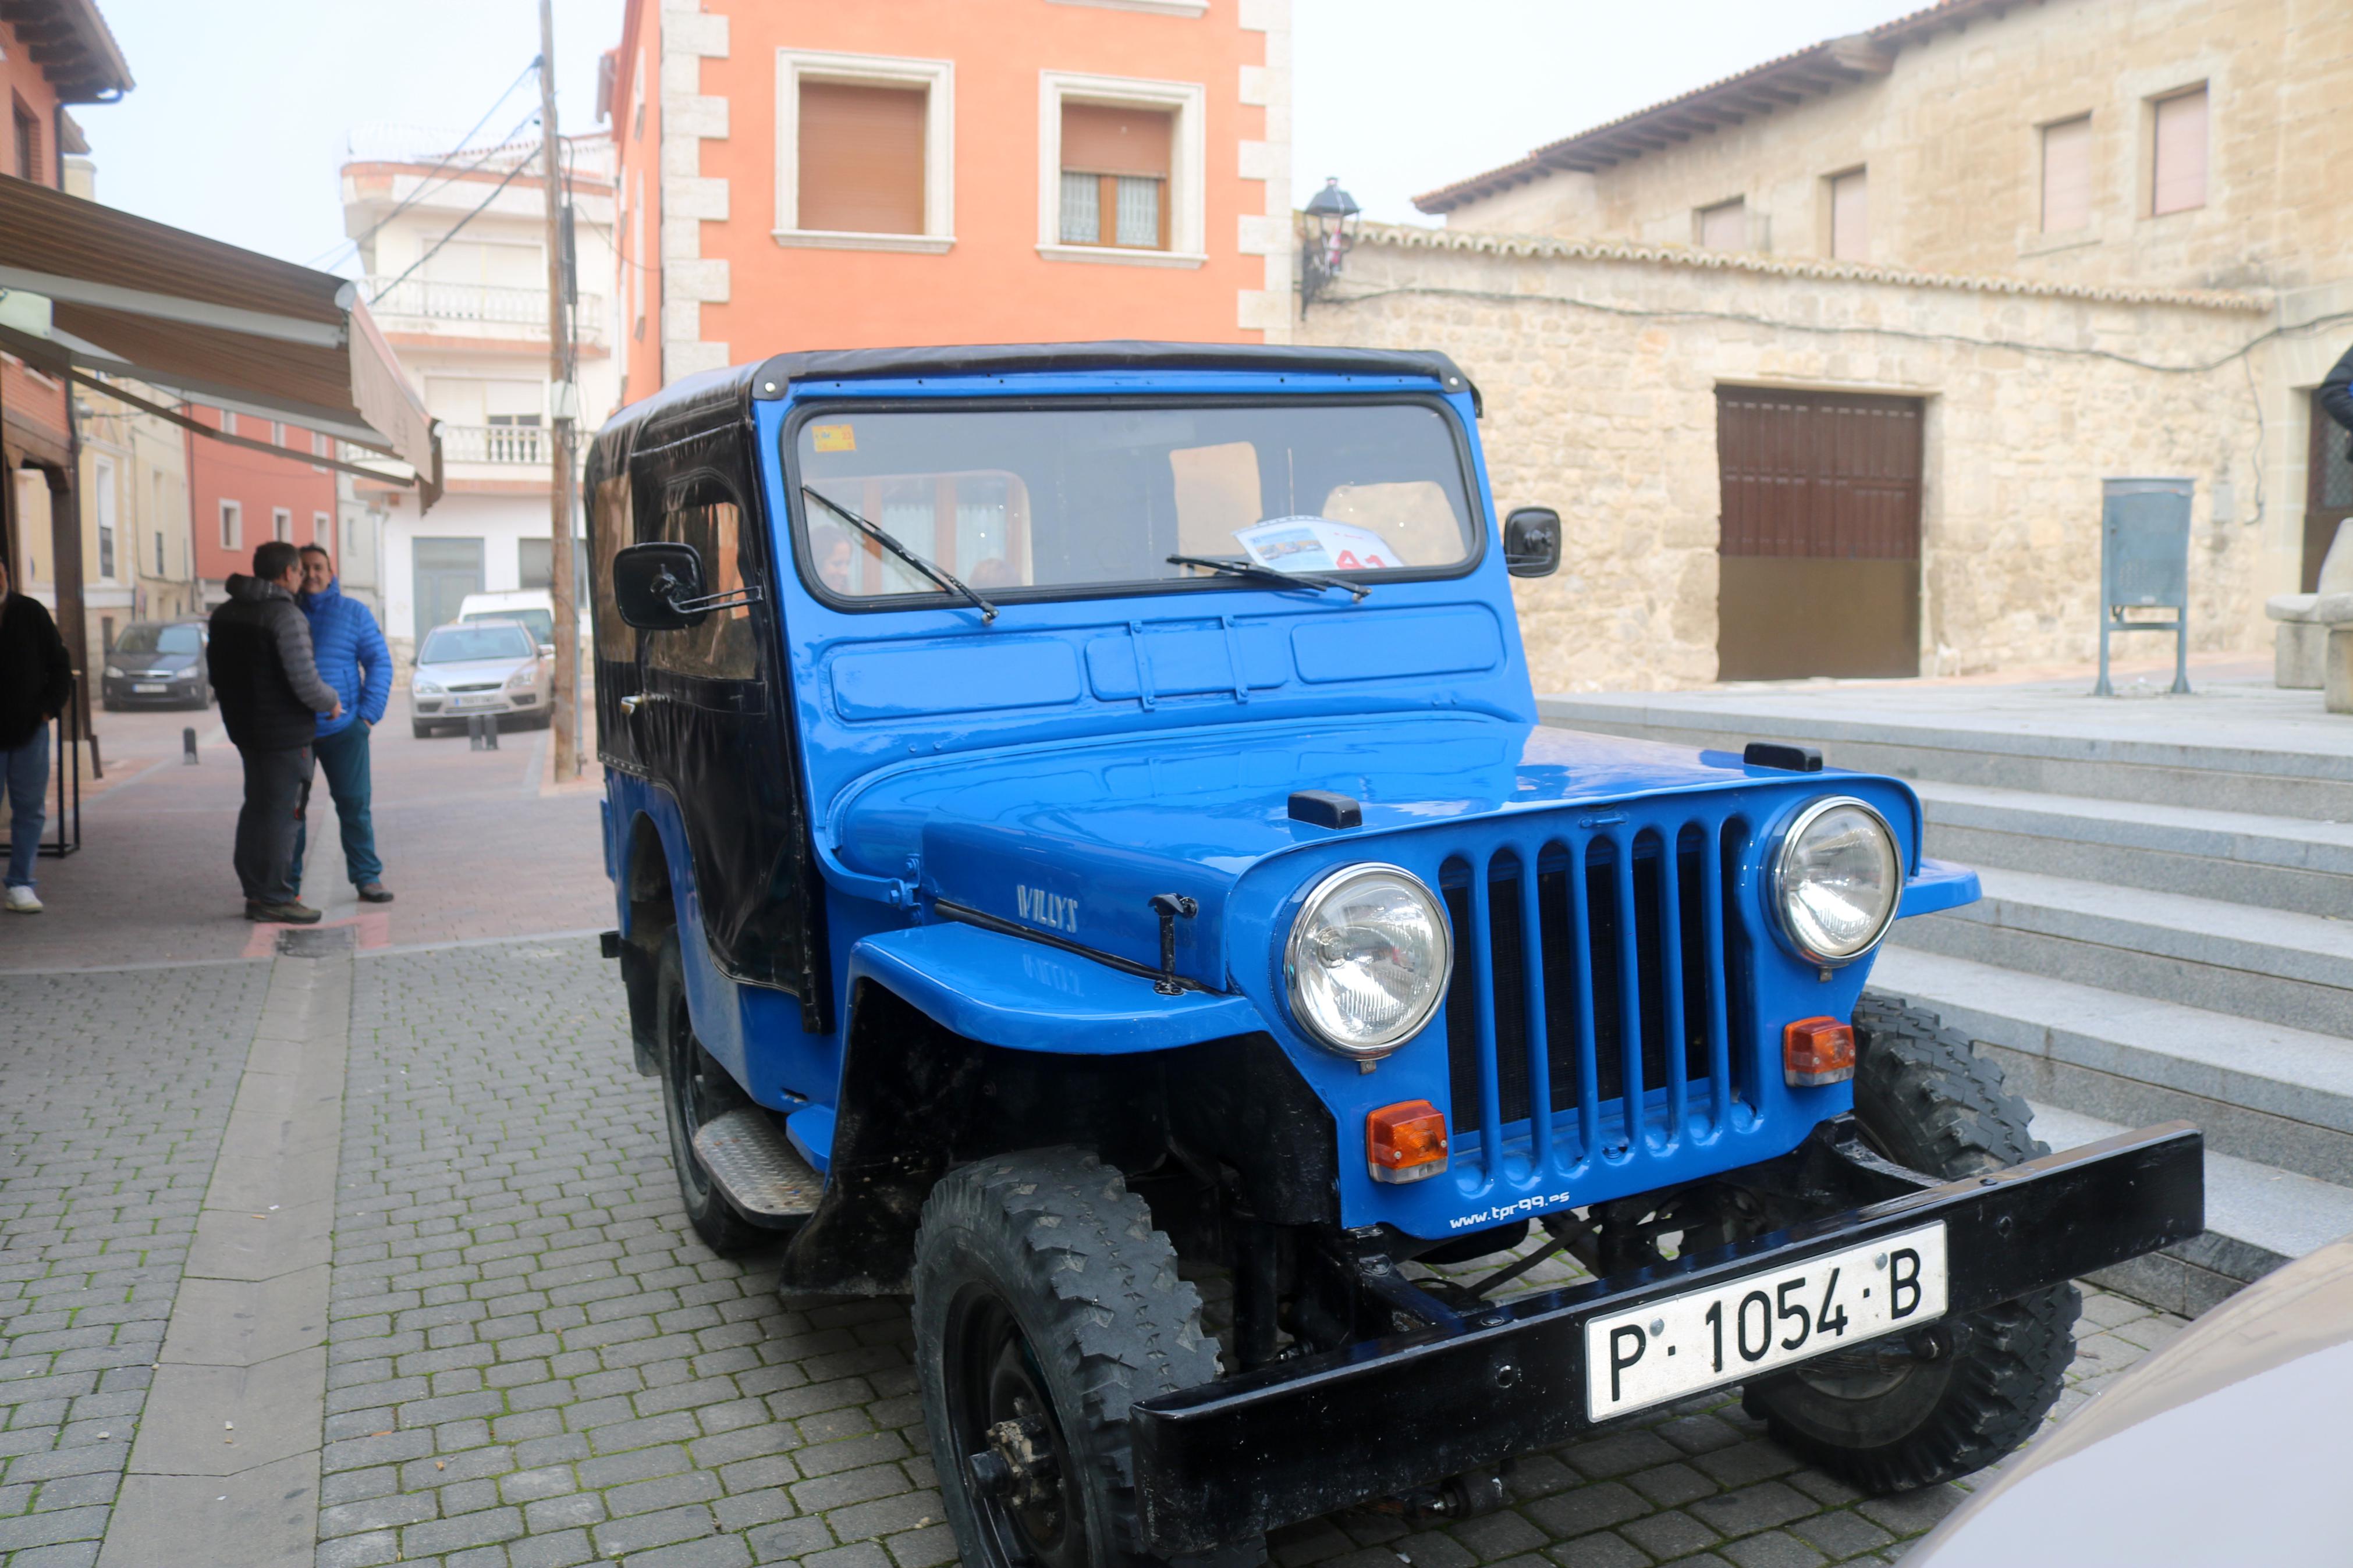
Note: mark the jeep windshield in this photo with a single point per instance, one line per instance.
(1042, 503)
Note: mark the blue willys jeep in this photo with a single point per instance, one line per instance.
(1079, 827)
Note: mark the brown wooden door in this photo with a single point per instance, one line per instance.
(1820, 549)
(2328, 491)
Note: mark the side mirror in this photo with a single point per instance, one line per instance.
(547, 650)
(1532, 542)
(649, 581)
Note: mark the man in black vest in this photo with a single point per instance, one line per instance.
(271, 699)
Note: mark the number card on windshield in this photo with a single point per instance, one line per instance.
(1730, 1333)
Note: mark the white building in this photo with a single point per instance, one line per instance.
(453, 248)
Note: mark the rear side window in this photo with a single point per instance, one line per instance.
(612, 527)
(701, 512)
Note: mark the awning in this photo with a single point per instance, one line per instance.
(130, 297)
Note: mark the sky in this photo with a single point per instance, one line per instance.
(235, 132)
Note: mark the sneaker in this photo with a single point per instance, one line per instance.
(289, 913)
(374, 893)
(21, 901)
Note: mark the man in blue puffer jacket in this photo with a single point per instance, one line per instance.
(352, 658)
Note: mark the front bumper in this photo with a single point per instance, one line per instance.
(1253, 1452)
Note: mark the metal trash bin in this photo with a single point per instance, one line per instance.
(2145, 564)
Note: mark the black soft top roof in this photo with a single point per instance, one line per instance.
(697, 401)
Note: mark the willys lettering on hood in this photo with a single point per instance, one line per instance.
(1076, 842)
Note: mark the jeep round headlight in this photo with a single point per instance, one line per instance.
(1367, 960)
(1836, 877)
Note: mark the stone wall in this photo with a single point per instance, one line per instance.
(1599, 364)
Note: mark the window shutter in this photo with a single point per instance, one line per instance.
(2067, 175)
(1105, 139)
(861, 158)
(2180, 175)
(1850, 217)
(1725, 227)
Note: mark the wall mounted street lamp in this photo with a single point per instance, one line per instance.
(1331, 217)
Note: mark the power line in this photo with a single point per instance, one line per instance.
(446, 158)
(446, 239)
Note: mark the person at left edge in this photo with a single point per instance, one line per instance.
(36, 683)
(352, 658)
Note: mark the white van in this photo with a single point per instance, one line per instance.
(532, 606)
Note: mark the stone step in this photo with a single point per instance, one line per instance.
(2257, 1217)
(2122, 751)
(2274, 965)
(2238, 857)
(2284, 1097)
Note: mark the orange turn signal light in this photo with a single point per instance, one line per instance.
(1816, 1051)
(1406, 1141)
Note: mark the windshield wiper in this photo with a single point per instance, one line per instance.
(1271, 574)
(876, 532)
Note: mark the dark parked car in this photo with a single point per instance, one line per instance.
(157, 662)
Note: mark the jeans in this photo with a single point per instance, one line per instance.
(343, 758)
(24, 781)
(277, 788)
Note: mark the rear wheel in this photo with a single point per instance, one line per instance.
(696, 1091)
(1958, 1395)
(1046, 1304)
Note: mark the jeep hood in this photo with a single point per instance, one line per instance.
(1073, 841)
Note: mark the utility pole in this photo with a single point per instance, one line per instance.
(566, 697)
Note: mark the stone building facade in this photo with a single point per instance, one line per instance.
(1601, 365)
(2157, 179)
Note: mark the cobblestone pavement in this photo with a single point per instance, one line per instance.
(115, 1090)
(533, 1362)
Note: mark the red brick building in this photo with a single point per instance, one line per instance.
(238, 497)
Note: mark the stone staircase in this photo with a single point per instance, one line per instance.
(2167, 930)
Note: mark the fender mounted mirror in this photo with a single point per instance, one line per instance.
(1531, 542)
(651, 583)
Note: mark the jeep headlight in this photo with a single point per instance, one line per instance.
(1836, 877)
(1367, 960)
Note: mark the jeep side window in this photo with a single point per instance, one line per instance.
(616, 640)
(701, 511)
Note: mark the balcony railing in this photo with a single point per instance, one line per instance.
(523, 444)
(486, 303)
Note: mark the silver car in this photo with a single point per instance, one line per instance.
(2226, 1447)
(481, 667)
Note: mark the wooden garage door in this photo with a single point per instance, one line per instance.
(1820, 534)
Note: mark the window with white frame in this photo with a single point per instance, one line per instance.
(282, 524)
(865, 151)
(1121, 161)
(232, 524)
(323, 529)
(228, 422)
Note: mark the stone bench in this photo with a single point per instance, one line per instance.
(2301, 657)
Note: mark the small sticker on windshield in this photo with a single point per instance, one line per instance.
(833, 438)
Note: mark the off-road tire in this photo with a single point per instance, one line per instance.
(1055, 1238)
(1929, 1102)
(689, 1076)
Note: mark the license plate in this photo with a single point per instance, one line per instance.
(471, 701)
(1730, 1333)
(143, 688)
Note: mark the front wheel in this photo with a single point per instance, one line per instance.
(1960, 1394)
(1046, 1304)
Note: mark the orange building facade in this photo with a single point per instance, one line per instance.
(799, 174)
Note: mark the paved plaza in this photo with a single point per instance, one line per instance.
(495, 1342)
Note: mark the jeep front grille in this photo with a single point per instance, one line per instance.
(1598, 994)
